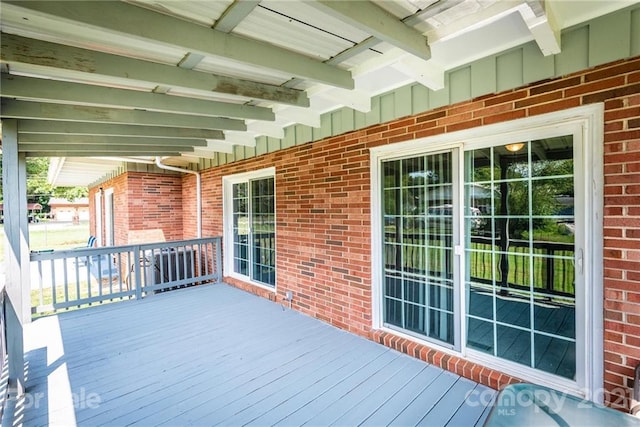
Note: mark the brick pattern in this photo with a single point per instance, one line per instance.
(621, 229)
(323, 213)
(155, 201)
(453, 363)
(121, 216)
(189, 207)
(152, 201)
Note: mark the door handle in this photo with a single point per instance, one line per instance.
(579, 260)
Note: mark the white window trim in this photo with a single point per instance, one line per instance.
(589, 122)
(98, 213)
(109, 218)
(227, 220)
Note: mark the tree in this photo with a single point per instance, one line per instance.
(38, 188)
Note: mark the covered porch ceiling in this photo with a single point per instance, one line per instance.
(93, 83)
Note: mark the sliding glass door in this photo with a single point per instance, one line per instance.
(419, 227)
(479, 251)
(252, 227)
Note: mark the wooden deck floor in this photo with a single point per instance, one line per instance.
(213, 355)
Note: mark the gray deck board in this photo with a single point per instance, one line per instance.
(444, 409)
(473, 412)
(388, 411)
(426, 400)
(366, 407)
(215, 355)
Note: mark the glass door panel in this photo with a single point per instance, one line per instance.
(263, 231)
(520, 244)
(418, 252)
(240, 229)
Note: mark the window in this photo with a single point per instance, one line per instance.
(98, 206)
(109, 217)
(488, 243)
(250, 227)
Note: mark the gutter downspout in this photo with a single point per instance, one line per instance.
(198, 195)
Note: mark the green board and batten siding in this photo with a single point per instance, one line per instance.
(605, 39)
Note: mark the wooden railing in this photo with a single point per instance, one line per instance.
(553, 269)
(88, 276)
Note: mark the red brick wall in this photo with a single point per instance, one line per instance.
(155, 201)
(323, 203)
(189, 204)
(144, 201)
(121, 216)
(92, 210)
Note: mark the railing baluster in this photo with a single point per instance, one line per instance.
(66, 280)
(40, 287)
(137, 259)
(53, 282)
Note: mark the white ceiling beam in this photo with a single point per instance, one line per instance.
(121, 18)
(343, 56)
(82, 128)
(235, 14)
(430, 11)
(195, 158)
(356, 99)
(99, 153)
(376, 21)
(266, 128)
(76, 113)
(37, 138)
(543, 26)
(427, 73)
(472, 21)
(57, 91)
(357, 49)
(219, 146)
(246, 139)
(190, 61)
(304, 116)
(115, 149)
(391, 56)
(84, 62)
(204, 154)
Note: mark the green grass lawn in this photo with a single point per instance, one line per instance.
(50, 235)
(72, 294)
(57, 236)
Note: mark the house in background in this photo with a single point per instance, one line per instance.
(66, 210)
(33, 210)
(475, 206)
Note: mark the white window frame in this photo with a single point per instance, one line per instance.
(587, 125)
(227, 220)
(109, 219)
(98, 210)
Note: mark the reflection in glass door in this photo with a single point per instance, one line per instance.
(263, 231)
(254, 230)
(418, 212)
(240, 228)
(520, 247)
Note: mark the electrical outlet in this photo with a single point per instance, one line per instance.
(289, 296)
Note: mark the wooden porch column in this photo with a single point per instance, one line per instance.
(16, 228)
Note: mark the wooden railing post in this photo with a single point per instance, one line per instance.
(218, 266)
(550, 270)
(137, 276)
